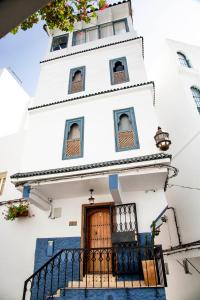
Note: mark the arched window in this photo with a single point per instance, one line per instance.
(77, 76)
(73, 139)
(124, 123)
(119, 70)
(196, 96)
(74, 132)
(126, 137)
(118, 67)
(76, 80)
(183, 60)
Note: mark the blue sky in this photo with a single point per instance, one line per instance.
(153, 19)
(22, 53)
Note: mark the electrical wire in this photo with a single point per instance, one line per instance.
(185, 187)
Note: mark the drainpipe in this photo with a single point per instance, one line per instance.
(176, 223)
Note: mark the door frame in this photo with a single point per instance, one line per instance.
(85, 208)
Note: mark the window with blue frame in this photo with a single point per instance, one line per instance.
(59, 42)
(183, 60)
(76, 80)
(126, 136)
(196, 96)
(73, 138)
(100, 31)
(118, 70)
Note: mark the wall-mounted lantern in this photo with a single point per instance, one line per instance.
(162, 139)
(91, 199)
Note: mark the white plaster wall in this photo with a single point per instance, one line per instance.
(178, 114)
(44, 143)
(182, 286)
(13, 104)
(18, 238)
(54, 75)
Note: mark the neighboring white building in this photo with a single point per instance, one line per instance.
(178, 108)
(13, 102)
(91, 126)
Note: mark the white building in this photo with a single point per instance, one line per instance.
(91, 126)
(178, 107)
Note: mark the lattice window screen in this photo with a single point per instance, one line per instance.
(126, 139)
(73, 148)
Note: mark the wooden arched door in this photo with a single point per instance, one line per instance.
(98, 236)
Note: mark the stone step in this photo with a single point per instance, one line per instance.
(104, 284)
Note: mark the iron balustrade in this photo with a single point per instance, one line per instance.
(121, 266)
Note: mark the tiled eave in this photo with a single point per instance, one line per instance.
(96, 48)
(159, 158)
(149, 83)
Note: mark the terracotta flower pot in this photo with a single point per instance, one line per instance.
(22, 214)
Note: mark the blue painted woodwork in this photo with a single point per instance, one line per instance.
(131, 115)
(26, 191)
(68, 124)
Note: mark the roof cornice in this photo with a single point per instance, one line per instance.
(125, 161)
(96, 48)
(95, 94)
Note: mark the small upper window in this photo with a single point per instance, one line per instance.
(2, 182)
(106, 30)
(59, 42)
(120, 27)
(100, 31)
(73, 138)
(196, 96)
(183, 60)
(119, 70)
(76, 80)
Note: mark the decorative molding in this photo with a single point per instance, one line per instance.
(93, 166)
(95, 94)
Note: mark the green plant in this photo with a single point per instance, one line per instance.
(63, 14)
(14, 211)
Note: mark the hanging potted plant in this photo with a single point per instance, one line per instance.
(149, 264)
(16, 211)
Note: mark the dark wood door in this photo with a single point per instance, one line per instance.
(98, 236)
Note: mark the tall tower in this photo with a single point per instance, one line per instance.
(91, 130)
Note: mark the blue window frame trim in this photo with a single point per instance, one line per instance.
(59, 36)
(71, 74)
(183, 60)
(112, 63)
(131, 114)
(98, 27)
(68, 124)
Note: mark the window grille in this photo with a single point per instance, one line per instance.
(183, 60)
(126, 137)
(196, 96)
(59, 42)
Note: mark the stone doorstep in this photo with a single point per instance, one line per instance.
(101, 282)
